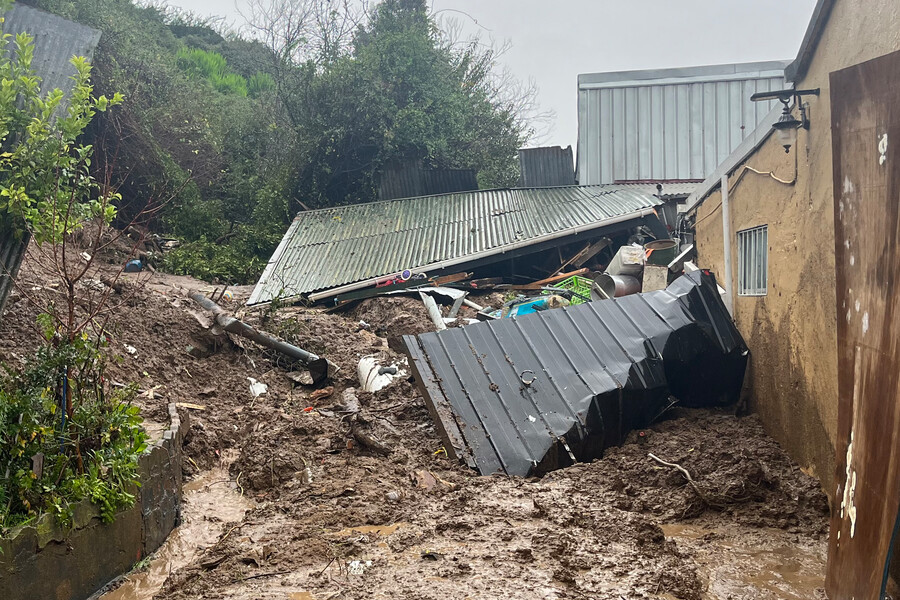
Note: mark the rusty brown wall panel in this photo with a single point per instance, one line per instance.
(866, 126)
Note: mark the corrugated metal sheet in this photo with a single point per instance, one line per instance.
(599, 370)
(331, 247)
(668, 124)
(12, 251)
(410, 180)
(56, 41)
(546, 167)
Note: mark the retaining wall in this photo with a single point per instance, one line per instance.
(49, 562)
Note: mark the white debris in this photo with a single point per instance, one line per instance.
(257, 388)
(130, 349)
(374, 376)
(358, 567)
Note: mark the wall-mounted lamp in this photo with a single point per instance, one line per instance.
(786, 127)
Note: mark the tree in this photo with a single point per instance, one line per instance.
(401, 94)
(59, 410)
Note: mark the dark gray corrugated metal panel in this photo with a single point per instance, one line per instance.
(331, 247)
(56, 41)
(12, 251)
(546, 167)
(668, 124)
(600, 369)
(409, 180)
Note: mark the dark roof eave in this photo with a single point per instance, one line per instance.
(797, 69)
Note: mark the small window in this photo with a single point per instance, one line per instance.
(753, 261)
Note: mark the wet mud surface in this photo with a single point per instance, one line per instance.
(349, 494)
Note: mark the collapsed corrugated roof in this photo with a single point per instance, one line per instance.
(528, 394)
(334, 247)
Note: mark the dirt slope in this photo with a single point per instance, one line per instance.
(366, 505)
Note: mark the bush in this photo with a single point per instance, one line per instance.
(216, 263)
(92, 455)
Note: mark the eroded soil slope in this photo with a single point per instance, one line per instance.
(353, 496)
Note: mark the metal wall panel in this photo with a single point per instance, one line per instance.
(528, 394)
(673, 124)
(546, 167)
(866, 508)
(56, 41)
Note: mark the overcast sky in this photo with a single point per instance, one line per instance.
(555, 40)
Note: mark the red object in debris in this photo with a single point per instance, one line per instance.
(309, 409)
(642, 434)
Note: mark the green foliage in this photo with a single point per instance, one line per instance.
(45, 175)
(212, 67)
(243, 135)
(214, 262)
(90, 453)
(260, 83)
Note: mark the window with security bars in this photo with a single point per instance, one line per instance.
(753, 261)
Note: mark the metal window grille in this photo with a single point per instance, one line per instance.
(753, 261)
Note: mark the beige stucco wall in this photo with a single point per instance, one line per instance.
(791, 331)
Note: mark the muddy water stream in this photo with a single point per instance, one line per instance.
(211, 502)
(741, 562)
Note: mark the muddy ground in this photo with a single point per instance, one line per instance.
(347, 504)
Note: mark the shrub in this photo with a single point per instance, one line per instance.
(50, 461)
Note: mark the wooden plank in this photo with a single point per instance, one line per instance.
(455, 278)
(586, 254)
(373, 291)
(437, 403)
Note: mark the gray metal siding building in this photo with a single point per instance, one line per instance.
(668, 124)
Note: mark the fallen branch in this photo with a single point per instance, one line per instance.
(690, 480)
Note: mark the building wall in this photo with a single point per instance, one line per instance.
(791, 331)
(668, 124)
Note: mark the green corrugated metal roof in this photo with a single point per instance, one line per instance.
(328, 248)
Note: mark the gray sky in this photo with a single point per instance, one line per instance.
(555, 40)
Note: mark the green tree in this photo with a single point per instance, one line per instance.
(57, 412)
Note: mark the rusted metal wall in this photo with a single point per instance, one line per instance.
(866, 139)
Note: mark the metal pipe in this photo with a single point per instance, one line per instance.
(726, 238)
(433, 311)
(615, 286)
(319, 368)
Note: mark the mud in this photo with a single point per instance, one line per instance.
(212, 503)
(353, 496)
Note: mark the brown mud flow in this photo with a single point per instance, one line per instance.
(365, 504)
(212, 503)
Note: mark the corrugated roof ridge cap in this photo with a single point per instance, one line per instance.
(515, 195)
(509, 189)
(685, 72)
